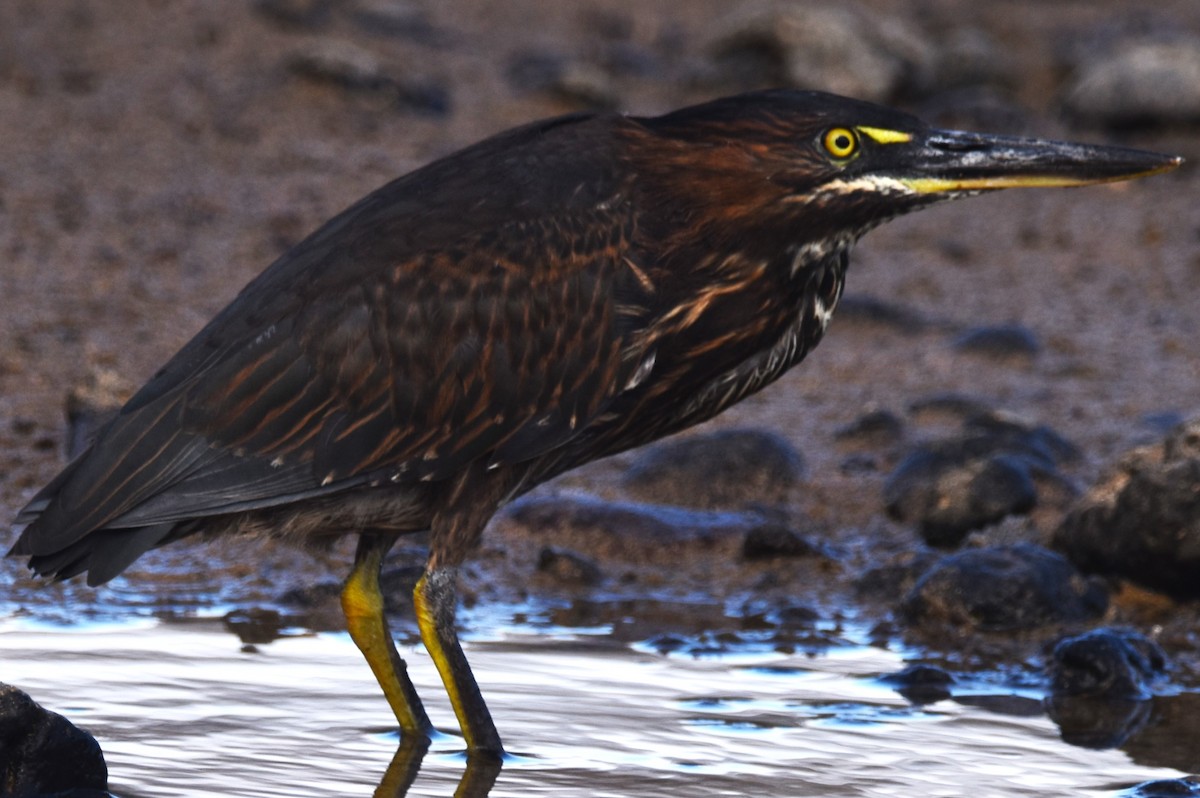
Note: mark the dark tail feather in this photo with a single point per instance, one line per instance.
(103, 554)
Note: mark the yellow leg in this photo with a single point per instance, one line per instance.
(435, 601)
(362, 603)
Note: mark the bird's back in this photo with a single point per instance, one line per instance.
(384, 347)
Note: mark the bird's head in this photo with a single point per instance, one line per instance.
(837, 167)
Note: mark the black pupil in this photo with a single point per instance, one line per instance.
(841, 142)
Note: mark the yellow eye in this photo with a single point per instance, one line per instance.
(840, 142)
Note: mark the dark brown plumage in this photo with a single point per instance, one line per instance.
(554, 294)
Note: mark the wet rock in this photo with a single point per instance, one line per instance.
(843, 49)
(776, 540)
(629, 532)
(999, 342)
(1100, 686)
(1106, 663)
(568, 567)
(1142, 519)
(43, 754)
(1004, 588)
(955, 485)
(920, 684)
(1141, 83)
(729, 468)
(1166, 788)
(357, 70)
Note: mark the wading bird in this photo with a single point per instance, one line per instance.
(554, 294)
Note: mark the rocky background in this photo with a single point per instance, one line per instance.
(989, 456)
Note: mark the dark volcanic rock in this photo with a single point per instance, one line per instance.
(1142, 519)
(1106, 663)
(1100, 686)
(729, 468)
(920, 684)
(1002, 588)
(953, 486)
(43, 754)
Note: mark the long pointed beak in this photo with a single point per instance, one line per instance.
(949, 162)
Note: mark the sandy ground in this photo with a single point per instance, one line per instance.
(153, 160)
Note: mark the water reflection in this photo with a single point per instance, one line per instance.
(479, 775)
(188, 710)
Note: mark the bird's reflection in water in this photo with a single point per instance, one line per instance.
(477, 780)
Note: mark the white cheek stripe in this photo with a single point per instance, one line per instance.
(872, 184)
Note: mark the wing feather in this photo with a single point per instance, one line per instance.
(401, 341)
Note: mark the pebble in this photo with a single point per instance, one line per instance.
(1003, 588)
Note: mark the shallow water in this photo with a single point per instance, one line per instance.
(183, 710)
